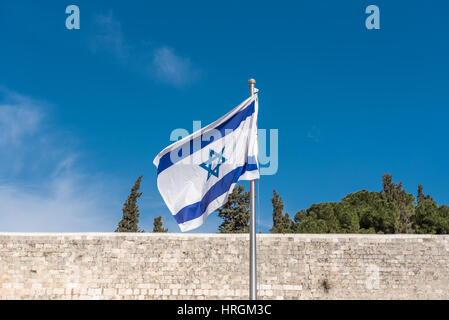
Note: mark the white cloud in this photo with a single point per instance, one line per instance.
(173, 69)
(65, 204)
(18, 118)
(109, 37)
(160, 63)
(314, 134)
(42, 188)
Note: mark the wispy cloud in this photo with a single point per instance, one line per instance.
(314, 134)
(156, 61)
(41, 186)
(172, 68)
(18, 118)
(109, 37)
(60, 204)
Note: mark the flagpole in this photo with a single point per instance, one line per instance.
(252, 227)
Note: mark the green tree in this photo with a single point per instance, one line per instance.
(374, 214)
(426, 217)
(235, 212)
(348, 217)
(443, 212)
(319, 218)
(130, 219)
(431, 219)
(421, 196)
(308, 224)
(359, 212)
(394, 193)
(157, 225)
(281, 223)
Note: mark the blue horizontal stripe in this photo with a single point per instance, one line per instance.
(230, 124)
(197, 209)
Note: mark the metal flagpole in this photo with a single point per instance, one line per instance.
(252, 227)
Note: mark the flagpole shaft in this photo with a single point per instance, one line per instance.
(252, 239)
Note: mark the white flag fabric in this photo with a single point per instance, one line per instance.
(196, 174)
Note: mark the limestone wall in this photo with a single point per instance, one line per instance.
(215, 266)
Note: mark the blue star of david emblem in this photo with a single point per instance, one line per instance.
(214, 158)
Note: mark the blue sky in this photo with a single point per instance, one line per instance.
(84, 112)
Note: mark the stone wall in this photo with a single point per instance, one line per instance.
(215, 266)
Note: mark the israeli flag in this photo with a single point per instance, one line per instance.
(196, 174)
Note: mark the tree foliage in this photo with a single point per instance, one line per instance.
(421, 196)
(235, 212)
(281, 223)
(130, 219)
(431, 219)
(375, 214)
(157, 225)
(392, 210)
(319, 218)
(309, 224)
(394, 193)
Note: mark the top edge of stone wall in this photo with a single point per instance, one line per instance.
(91, 235)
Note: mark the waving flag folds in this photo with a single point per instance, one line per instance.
(196, 174)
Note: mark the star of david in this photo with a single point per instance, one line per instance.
(214, 158)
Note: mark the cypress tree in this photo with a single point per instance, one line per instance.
(157, 225)
(130, 220)
(394, 193)
(235, 212)
(421, 196)
(281, 223)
